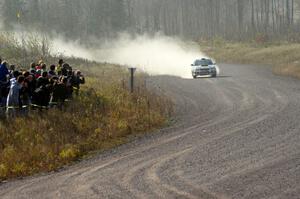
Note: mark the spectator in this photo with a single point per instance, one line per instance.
(41, 96)
(40, 71)
(59, 93)
(11, 70)
(14, 77)
(4, 71)
(13, 100)
(32, 68)
(4, 83)
(25, 96)
(59, 66)
(26, 74)
(21, 88)
(44, 67)
(39, 65)
(77, 79)
(52, 72)
(69, 84)
(31, 83)
(65, 69)
(43, 80)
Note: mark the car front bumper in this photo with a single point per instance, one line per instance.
(203, 72)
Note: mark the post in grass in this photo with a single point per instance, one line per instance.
(131, 71)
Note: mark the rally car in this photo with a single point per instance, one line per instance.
(204, 67)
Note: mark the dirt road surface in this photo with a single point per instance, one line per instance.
(237, 136)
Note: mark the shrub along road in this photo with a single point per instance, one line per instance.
(237, 136)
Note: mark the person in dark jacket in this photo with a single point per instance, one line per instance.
(5, 83)
(52, 72)
(31, 83)
(41, 94)
(43, 80)
(59, 92)
(69, 84)
(77, 79)
(66, 68)
(41, 97)
(4, 71)
(25, 96)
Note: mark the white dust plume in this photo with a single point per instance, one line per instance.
(158, 55)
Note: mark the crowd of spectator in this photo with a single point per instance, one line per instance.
(38, 87)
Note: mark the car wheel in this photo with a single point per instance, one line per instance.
(214, 75)
(195, 77)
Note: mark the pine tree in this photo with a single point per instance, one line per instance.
(119, 20)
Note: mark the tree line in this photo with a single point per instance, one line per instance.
(193, 19)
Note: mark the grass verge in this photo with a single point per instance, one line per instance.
(101, 117)
(284, 57)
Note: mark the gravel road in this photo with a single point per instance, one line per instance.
(237, 136)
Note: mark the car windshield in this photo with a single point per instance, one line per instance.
(203, 62)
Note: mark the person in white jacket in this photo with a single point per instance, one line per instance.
(13, 99)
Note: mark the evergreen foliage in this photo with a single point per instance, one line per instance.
(229, 19)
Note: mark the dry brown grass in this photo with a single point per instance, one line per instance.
(284, 57)
(102, 116)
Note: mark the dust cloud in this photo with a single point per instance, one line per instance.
(157, 55)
